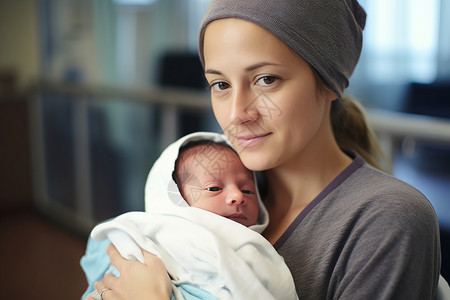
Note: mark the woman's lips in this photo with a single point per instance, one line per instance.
(249, 141)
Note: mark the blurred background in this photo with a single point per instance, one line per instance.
(91, 91)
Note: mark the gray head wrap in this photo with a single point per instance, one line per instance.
(326, 33)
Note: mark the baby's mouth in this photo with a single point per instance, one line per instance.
(237, 217)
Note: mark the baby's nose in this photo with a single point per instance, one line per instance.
(235, 197)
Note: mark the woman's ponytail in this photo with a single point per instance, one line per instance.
(351, 131)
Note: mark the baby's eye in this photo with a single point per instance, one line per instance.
(220, 86)
(213, 189)
(267, 80)
(248, 192)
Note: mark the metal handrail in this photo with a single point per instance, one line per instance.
(403, 125)
(167, 96)
(395, 124)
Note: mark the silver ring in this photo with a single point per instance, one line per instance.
(103, 291)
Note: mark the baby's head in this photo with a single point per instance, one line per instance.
(211, 176)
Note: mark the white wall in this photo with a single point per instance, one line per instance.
(18, 39)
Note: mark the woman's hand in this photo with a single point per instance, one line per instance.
(148, 280)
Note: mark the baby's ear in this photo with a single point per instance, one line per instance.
(174, 177)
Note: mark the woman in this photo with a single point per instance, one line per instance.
(277, 71)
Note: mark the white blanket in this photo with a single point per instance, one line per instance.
(218, 255)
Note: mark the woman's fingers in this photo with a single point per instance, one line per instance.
(109, 281)
(115, 257)
(150, 258)
(153, 261)
(103, 288)
(156, 265)
(148, 280)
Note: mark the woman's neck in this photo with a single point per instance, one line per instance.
(295, 184)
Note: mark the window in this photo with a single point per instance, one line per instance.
(401, 40)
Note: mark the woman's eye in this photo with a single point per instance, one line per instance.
(248, 192)
(220, 86)
(213, 189)
(267, 80)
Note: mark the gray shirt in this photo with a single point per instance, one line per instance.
(365, 236)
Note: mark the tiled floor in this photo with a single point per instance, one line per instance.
(39, 260)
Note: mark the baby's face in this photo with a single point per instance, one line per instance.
(221, 184)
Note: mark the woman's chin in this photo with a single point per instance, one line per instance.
(254, 162)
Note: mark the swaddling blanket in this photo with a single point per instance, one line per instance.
(213, 253)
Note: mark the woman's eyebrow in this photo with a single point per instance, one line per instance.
(259, 65)
(212, 71)
(247, 69)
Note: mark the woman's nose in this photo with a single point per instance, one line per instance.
(235, 197)
(243, 108)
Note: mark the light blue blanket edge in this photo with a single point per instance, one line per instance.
(95, 264)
